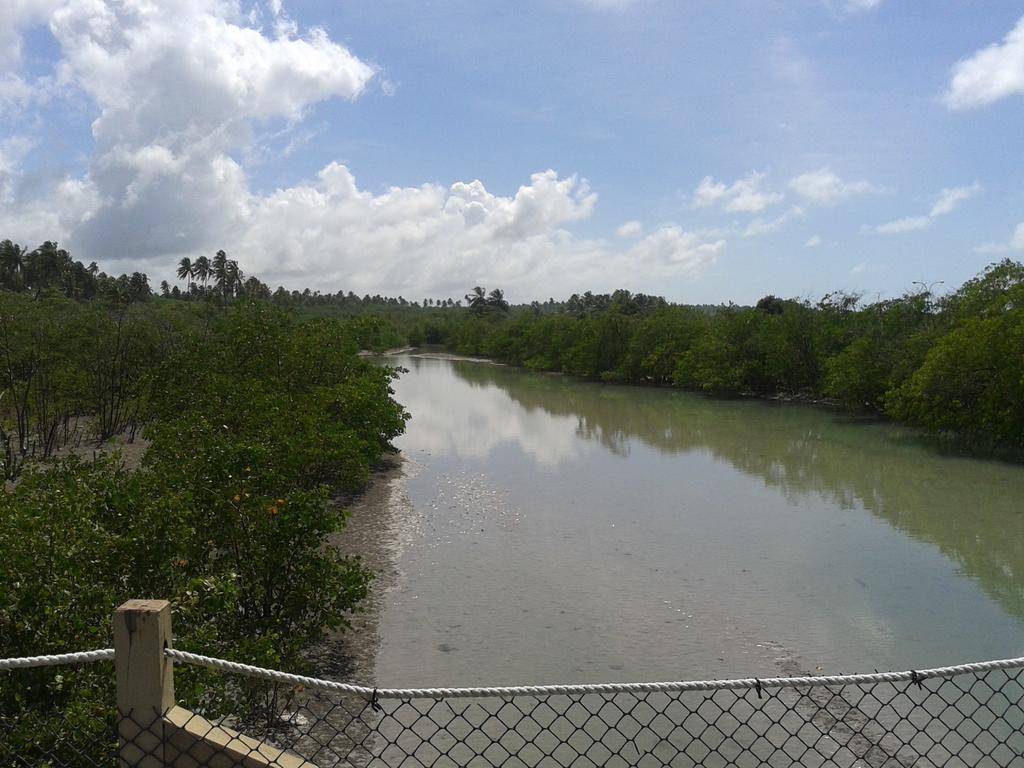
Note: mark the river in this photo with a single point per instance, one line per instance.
(547, 529)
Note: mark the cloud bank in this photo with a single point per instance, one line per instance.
(181, 91)
(451, 238)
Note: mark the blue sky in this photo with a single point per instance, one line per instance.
(706, 151)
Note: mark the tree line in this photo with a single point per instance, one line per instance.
(950, 363)
(51, 267)
(953, 364)
(222, 278)
(219, 279)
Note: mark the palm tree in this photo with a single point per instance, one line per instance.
(227, 277)
(45, 266)
(12, 261)
(218, 271)
(476, 300)
(138, 287)
(218, 268)
(186, 271)
(66, 273)
(201, 270)
(254, 289)
(496, 300)
(232, 279)
(78, 280)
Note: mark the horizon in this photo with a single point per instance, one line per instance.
(700, 152)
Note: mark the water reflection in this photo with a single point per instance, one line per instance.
(972, 510)
(558, 530)
(484, 416)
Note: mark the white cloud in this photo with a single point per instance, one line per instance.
(862, 5)
(1015, 243)
(744, 195)
(437, 239)
(16, 90)
(630, 229)
(70, 201)
(207, 68)
(751, 194)
(12, 151)
(760, 226)
(671, 245)
(907, 224)
(949, 200)
(708, 192)
(179, 87)
(15, 15)
(747, 195)
(824, 187)
(991, 74)
(813, 241)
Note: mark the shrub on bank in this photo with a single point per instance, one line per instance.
(253, 419)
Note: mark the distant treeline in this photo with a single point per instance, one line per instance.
(218, 279)
(51, 267)
(953, 364)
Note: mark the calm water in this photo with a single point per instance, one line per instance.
(551, 530)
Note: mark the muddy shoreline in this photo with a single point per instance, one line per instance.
(379, 522)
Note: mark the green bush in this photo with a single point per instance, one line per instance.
(253, 418)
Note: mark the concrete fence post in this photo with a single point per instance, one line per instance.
(152, 731)
(145, 681)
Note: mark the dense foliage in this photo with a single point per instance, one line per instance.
(253, 419)
(954, 364)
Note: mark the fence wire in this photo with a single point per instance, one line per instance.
(964, 718)
(57, 717)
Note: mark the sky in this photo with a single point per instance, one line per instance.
(703, 150)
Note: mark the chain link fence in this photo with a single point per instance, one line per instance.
(58, 711)
(958, 716)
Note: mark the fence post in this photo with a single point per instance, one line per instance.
(145, 680)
